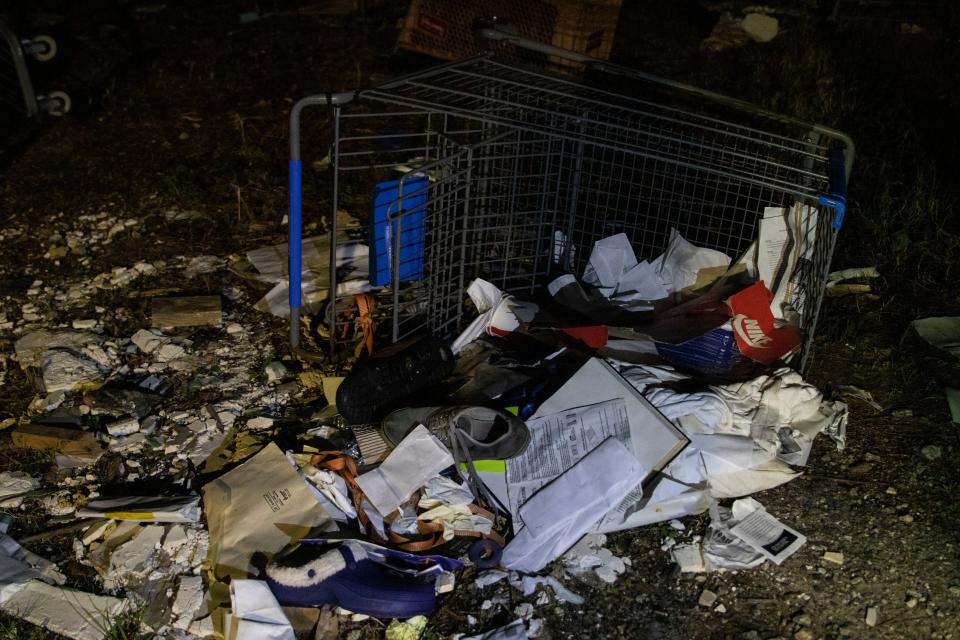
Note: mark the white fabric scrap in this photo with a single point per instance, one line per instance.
(441, 490)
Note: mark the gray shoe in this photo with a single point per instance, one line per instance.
(486, 434)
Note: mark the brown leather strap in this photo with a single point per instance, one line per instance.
(346, 467)
(365, 322)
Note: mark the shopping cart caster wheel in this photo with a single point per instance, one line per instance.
(55, 103)
(485, 554)
(43, 48)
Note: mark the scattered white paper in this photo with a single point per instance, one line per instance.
(775, 540)
(256, 613)
(786, 237)
(561, 512)
(640, 283)
(272, 263)
(682, 262)
(419, 457)
(653, 439)
(559, 441)
(610, 259)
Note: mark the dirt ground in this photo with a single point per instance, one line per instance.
(195, 120)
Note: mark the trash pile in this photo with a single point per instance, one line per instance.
(216, 491)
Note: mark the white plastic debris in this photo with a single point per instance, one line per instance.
(188, 601)
(488, 578)
(13, 484)
(524, 610)
(276, 371)
(170, 352)
(689, 557)
(259, 423)
(134, 559)
(513, 631)
(590, 556)
(528, 585)
(123, 427)
(148, 341)
(67, 371)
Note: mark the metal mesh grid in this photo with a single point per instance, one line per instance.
(487, 90)
(520, 160)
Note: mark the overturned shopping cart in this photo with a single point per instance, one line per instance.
(480, 168)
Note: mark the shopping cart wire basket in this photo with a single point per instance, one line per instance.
(497, 171)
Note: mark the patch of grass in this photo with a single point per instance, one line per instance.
(16, 629)
(127, 626)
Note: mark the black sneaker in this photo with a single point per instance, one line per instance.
(379, 384)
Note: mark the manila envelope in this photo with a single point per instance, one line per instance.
(257, 509)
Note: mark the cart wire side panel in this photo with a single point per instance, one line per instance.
(511, 175)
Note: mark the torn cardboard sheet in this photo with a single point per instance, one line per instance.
(419, 457)
(74, 448)
(74, 614)
(560, 513)
(30, 347)
(272, 265)
(258, 509)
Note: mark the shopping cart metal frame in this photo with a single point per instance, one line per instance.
(502, 144)
(17, 93)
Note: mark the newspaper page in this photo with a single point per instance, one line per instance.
(559, 441)
(786, 244)
(775, 540)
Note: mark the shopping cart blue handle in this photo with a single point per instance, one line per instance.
(837, 198)
(294, 220)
